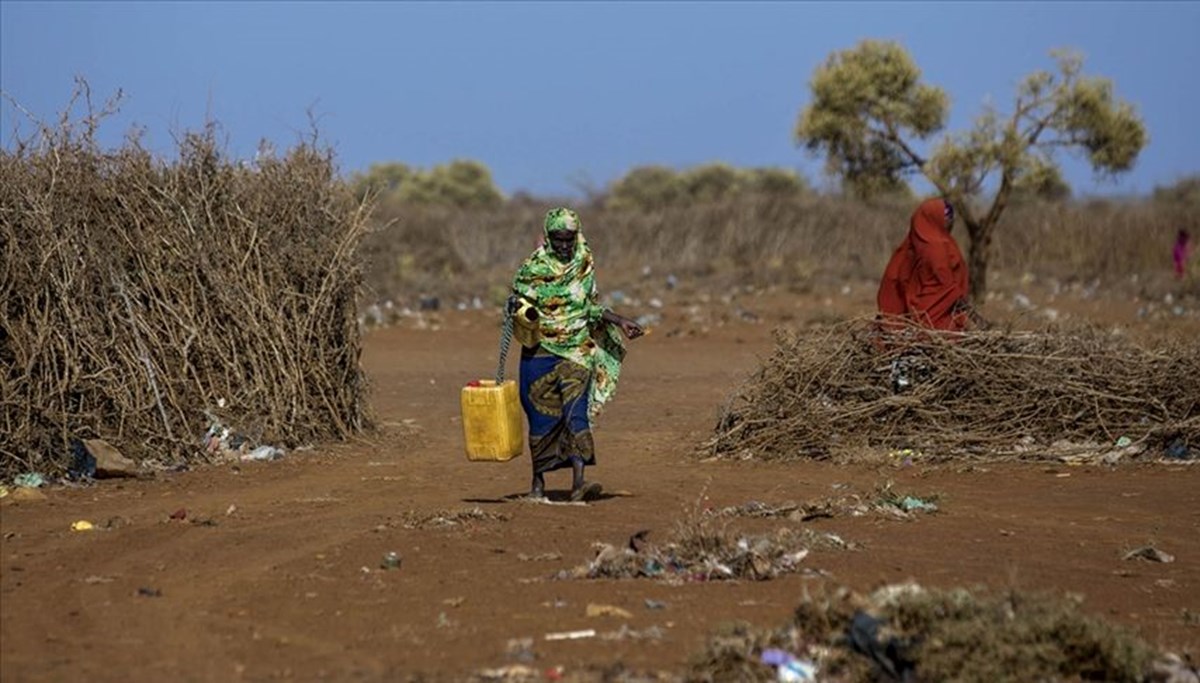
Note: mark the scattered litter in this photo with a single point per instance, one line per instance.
(797, 671)
(648, 320)
(654, 604)
(105, 461)
(443, 621)
(911, 503)
(1124, 441)
(788, 667)
(1178, 450)
(223, 441)
(443, 519)
(83, 464)
(699, 551)
(529, 500)
(82, 525)
(520, 650)
(863, 635)
(597, 610)
(884, 501)
(626, 633)
(512, 672)
(149, 592)
(390, 560)
(454, 602)
(264, 454)
(1172, 668)
(572, 635)
(92, 580)
(540, 557)
(429, 303)
(30, 480)
(775, 657)
(1149, 553)
(230, 510)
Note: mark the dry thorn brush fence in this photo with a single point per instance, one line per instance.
(137, 292)
(830, 392)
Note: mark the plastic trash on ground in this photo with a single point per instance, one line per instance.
(264, 453)
(788, 667)
(30, 480)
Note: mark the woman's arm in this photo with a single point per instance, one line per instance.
(631, 329)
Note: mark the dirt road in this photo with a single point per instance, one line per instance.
(274, 573)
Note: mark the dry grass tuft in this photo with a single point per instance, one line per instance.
(996, 393)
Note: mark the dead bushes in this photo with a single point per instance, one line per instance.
(834, 391)
(906, 632)
(137, 293)
(804, 242)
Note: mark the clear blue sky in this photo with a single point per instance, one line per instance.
(544, 92)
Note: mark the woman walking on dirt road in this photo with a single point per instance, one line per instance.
(572, 371)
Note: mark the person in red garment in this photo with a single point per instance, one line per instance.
(925, 281)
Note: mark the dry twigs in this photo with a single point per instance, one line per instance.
(995, 393)
(137, 292)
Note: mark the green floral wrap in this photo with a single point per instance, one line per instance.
(565, 296)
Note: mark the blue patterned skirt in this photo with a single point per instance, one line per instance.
(554, 394)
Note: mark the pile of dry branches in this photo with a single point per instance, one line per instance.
(137, 293)
(834, 391)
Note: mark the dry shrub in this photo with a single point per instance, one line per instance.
(758, 239)
(732, 653)
(830, 391)
(136, 292)
(460, 252)
(942, 635)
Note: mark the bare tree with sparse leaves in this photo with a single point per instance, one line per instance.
(870, 112)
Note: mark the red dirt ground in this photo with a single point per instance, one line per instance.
(275, 586)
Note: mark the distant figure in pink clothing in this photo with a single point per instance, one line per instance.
(1181, 252)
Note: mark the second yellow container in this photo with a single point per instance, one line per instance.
(491, 417)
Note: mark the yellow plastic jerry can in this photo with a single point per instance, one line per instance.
(491, 417)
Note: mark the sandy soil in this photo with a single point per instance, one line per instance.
(274, 573)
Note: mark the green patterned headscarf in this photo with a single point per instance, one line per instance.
(571, 316)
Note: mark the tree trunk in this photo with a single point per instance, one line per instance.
(977, 258)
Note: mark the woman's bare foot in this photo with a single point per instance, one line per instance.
(586, 491)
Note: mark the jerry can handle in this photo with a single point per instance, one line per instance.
(506, 333)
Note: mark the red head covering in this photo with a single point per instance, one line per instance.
(927, 275)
